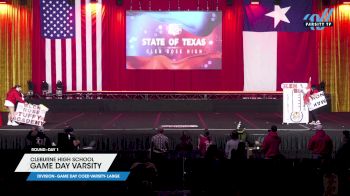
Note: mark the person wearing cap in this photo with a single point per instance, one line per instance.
(13, 96)
(320, 144)
(271, 144)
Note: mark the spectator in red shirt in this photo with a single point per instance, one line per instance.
(271, 144)
(204, 141)
(13, 96)
(320, 144)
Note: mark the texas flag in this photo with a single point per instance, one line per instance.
(278, 48)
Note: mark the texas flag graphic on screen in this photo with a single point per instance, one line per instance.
(173, 40)
(277, 46)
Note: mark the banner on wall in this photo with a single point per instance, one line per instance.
(294, 108)
(31, 114)
(174, 40)
(317, 100)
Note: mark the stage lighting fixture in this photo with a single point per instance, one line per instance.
(23, 2)
(119, 2)
(346, 2)
(229, 2)
(59, 89)
(30, 88)
(44, 88)
(254, 2)
(277, 2)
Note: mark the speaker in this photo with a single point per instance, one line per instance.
(71, 2)
(229, 2)
(119, 2)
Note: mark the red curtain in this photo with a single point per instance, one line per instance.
(116, 77)
(38, 51)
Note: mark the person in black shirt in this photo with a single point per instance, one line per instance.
(342, 160)
(37, 138)
(67, 141)
(185, 147)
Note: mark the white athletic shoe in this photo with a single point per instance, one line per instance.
(9, 123)
(312, 123)
(14, 123)
(318, 122)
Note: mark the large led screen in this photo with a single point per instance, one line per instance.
(174, 40)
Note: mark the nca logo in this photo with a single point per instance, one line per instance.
(314, 21)
(174, 29)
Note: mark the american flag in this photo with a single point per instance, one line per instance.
(73, 43)
(57, 19)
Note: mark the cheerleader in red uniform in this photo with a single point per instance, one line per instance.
(313, 113)
(13, 96)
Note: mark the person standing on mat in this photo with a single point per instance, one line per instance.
(13, 96)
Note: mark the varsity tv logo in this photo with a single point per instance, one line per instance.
(314, 21)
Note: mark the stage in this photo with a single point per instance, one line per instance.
(116, 127)
(131, 131)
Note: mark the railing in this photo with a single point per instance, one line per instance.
(165, 95)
